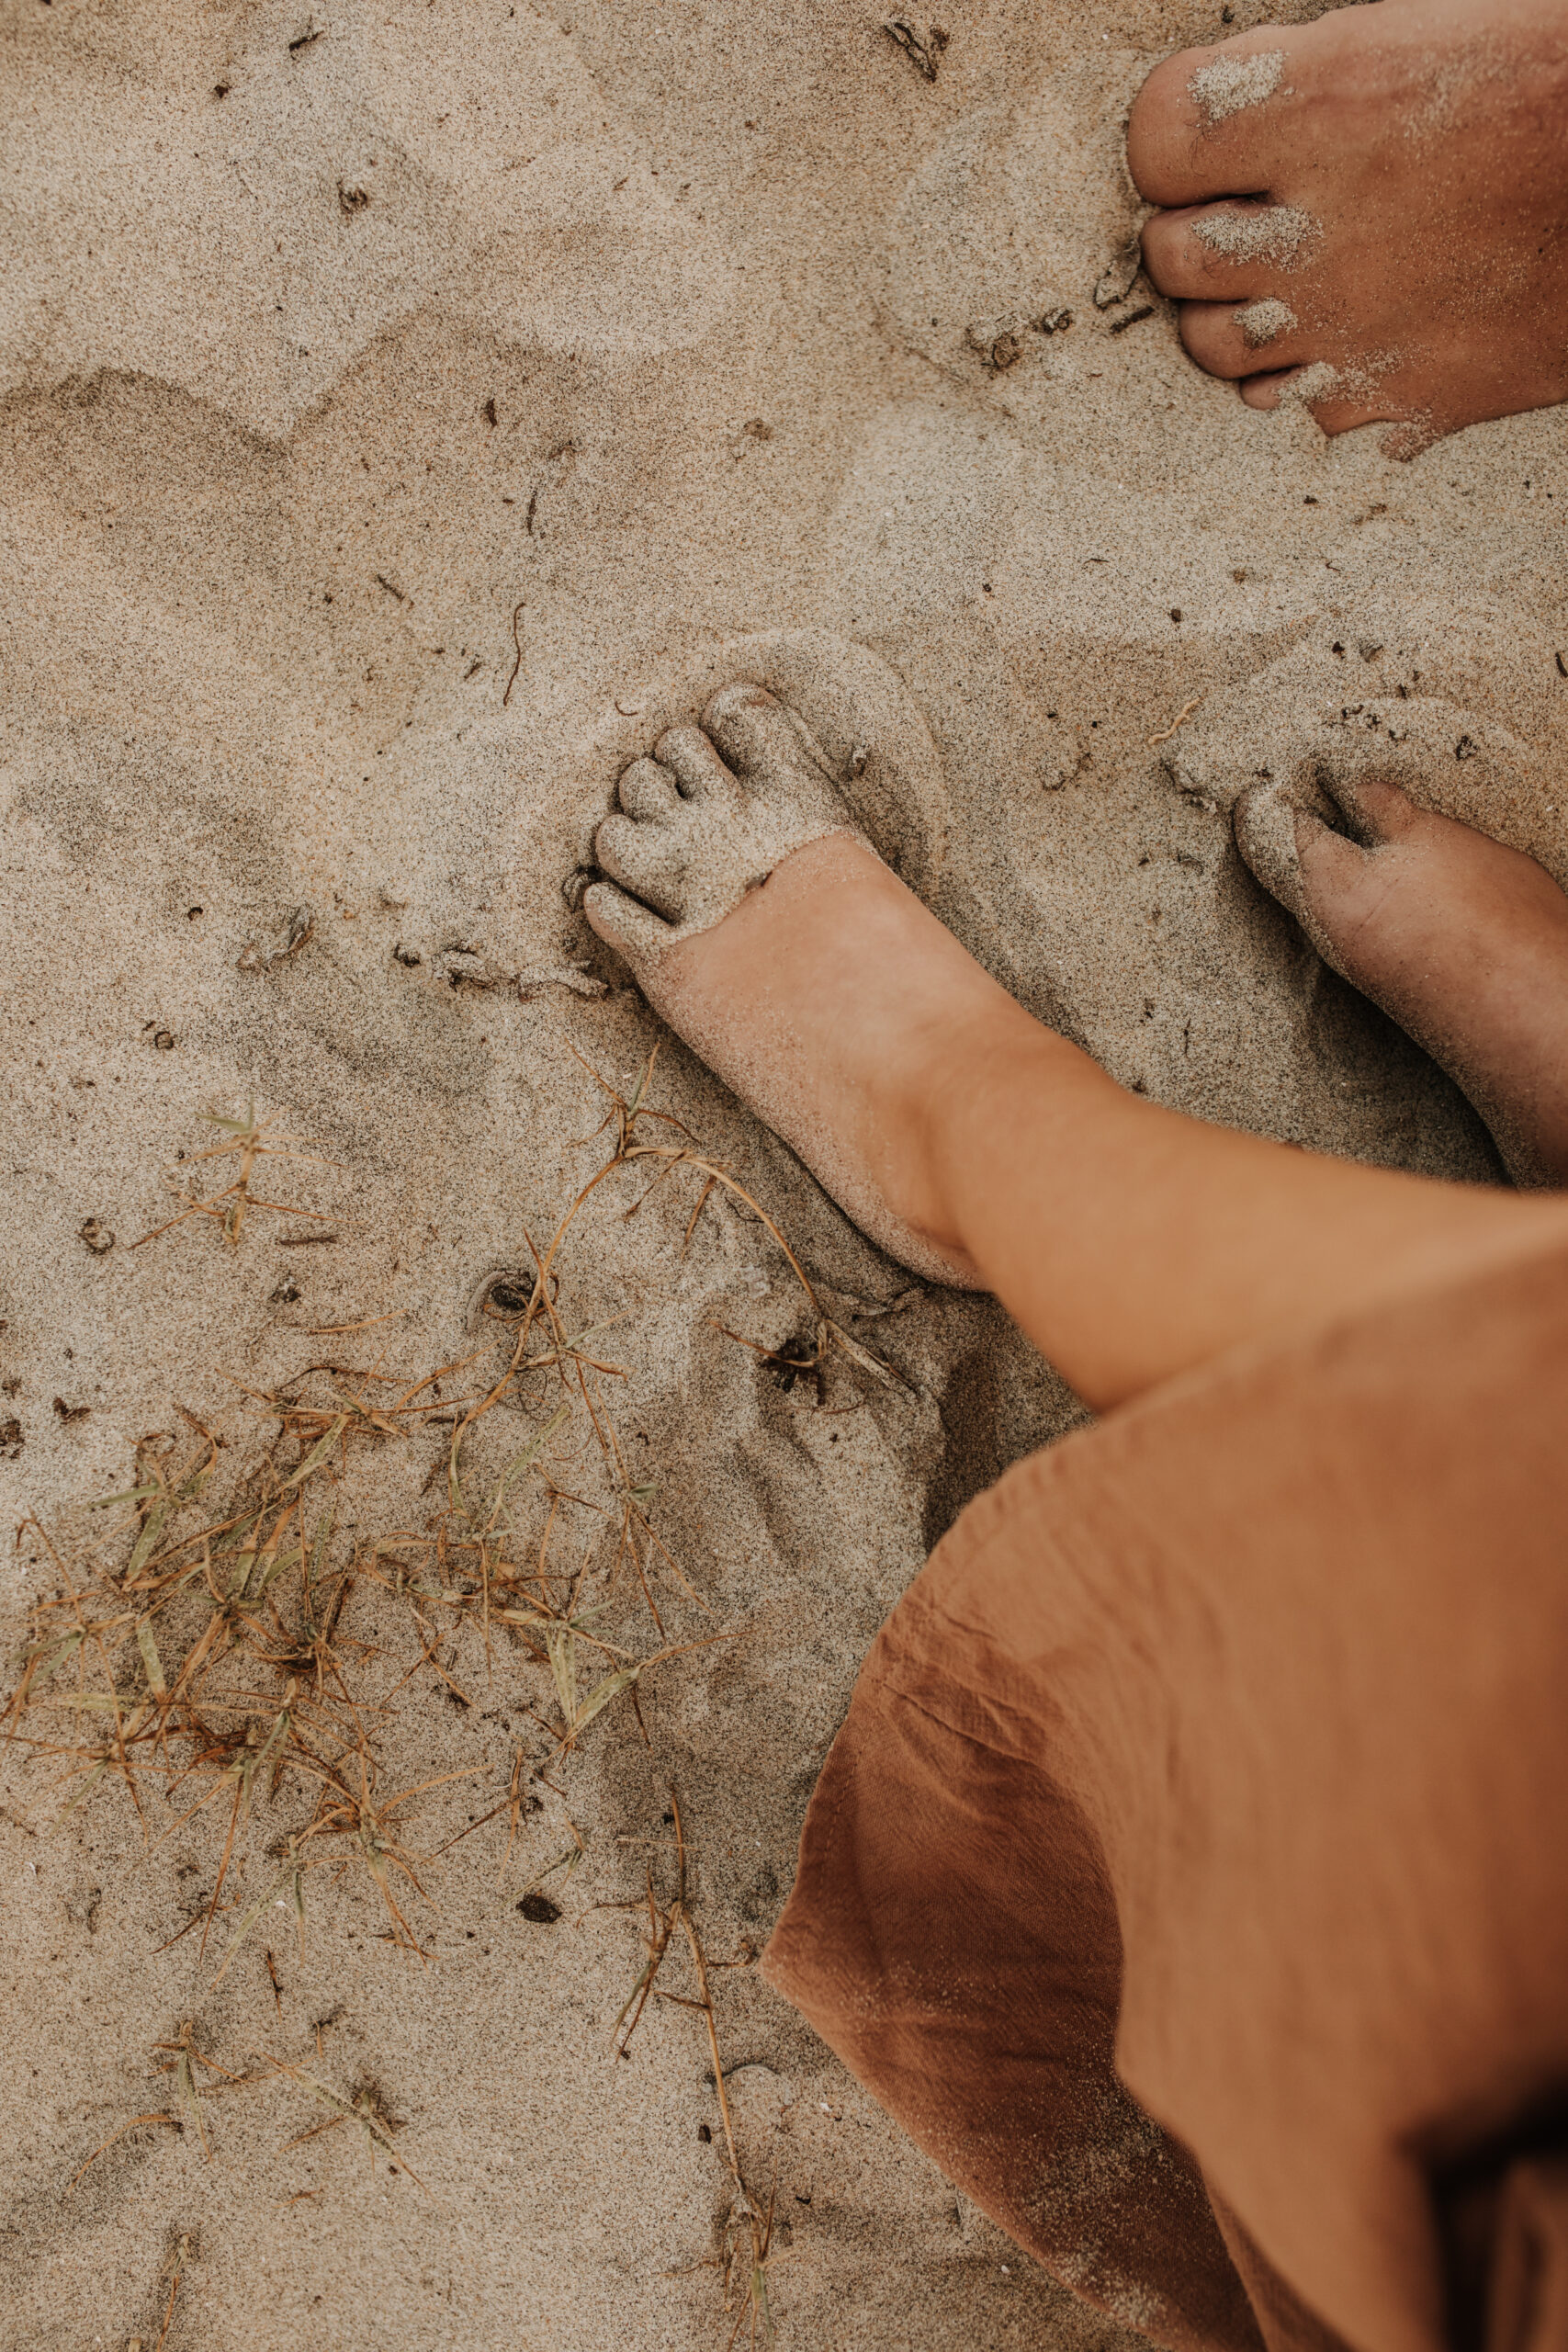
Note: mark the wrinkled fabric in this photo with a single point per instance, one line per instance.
(1188, 1876)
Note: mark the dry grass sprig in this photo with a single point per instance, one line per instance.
(750, 2229)
(247, 1136)
(200, 1653)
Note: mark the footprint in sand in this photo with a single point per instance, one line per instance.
(858, 723)
(280, 207)
(1013, 220)
(1365, 697)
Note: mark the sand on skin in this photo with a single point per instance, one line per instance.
(389, 443)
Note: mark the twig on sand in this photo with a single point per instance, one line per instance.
(1182, 716)
(517, 642)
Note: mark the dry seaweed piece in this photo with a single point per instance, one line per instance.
(924, 54)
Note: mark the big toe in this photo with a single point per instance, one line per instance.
(758, 738)
(1162, 129)
(1205, 122)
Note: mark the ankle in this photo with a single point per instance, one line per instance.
(991, 1069)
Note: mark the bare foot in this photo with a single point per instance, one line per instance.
(1131, 1243)
(762, 926)
(1461, 941)
(1370, 213)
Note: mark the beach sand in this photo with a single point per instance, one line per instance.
(408, 408)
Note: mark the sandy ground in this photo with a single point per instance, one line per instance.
(406, 406)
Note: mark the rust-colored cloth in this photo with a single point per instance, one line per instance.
(1189, 1877)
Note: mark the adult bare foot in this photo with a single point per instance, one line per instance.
(1460, 940)
(1370, 213)
(762, 926)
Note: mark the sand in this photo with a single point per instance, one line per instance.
(1226, 85)
(1273, 232)
(407, 409)
(1260, 322)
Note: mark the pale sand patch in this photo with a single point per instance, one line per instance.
(1318, 382)
(1256, 233)
(1262, 322)
(1226, 85)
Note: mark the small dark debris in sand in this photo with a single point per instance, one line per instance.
(97, 1236)
(409, 956)
(924, 55)
(69, 1413)
(795, 1358)
(164, 1041)
(705, 2133)
(1116, 278)
(301, 930)
(304, 1240)
(1467, 748)
(488, 411)
(352, 198)
(1561, 667)
(11, 1440)
(509, 1295)
(1144, 311)
(305, 41)
(288, 1293)
(998, 342)
(540, 1909)
(391, 588)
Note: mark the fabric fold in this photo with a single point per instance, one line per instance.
(1187, 1876)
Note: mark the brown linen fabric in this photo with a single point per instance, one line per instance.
(1187, 1876)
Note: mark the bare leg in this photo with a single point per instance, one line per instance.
(1131, 1243)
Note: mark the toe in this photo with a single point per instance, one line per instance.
(647, 790)
(1332, 867)
(1231, 339)
(1162, 134)
(647, 860)
(1383, 810)
(1238, 251)
(758, 737)
(1324, 393)
(1206, 120)
(693, 761)
(626, 925)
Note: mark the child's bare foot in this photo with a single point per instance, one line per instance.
(762, 925)
(1461, 941)
(1371, 212)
